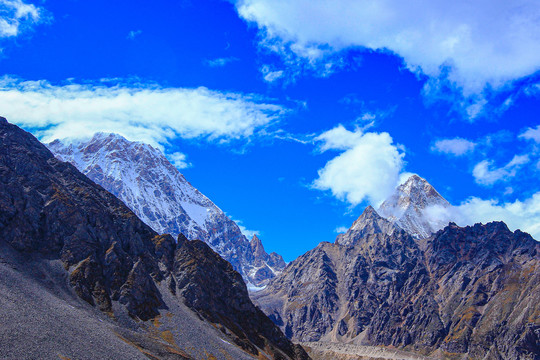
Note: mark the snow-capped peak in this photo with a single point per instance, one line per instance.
(142, 177)
(413, 206)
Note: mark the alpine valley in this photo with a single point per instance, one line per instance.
(270, 180)
(82, 277)
(457, 293)
(107, 249)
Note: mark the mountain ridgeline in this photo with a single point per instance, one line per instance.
(462, 292)
(69, 247)
(158, 193)
(80, 267)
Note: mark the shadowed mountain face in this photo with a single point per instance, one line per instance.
(472, 291)
(58, 225)
(158, 193)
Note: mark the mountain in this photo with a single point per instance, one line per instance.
(158, 193)
(82, 277)
(416, 207)
(471, 292)
(370, 223)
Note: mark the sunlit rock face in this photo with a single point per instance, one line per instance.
(471, 291)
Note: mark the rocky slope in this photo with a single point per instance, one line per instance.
(470, 292)
(417, 208)
(68, 241)
(158, 193)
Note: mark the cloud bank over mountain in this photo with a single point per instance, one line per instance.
(138, 111)
(473, 44)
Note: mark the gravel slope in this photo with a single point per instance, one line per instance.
(42, 318)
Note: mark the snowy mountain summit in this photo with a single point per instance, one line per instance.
(417, 208)
(141, 176)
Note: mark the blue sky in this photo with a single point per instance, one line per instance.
(294, 115)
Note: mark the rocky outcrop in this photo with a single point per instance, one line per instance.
(112, 260)
(159, 194)
(223, 298)
(370, 223)
(265, 266)
(472, 291)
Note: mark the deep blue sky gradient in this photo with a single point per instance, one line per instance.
(266, 183)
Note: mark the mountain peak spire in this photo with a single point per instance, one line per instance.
(410, 207)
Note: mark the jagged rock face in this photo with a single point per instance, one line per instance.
(158, 193)
(416, 207)
(369, 223)
(334, 290)
(223, 298)
(472, 291)
(48, 207)
(488, 288)
(49, 210)
(265, 266)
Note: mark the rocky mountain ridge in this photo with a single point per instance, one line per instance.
(60, 231)
(141, 176)
(462, 292)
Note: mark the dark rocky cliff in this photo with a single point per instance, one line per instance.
(49, 210)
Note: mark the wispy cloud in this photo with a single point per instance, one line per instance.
(523, 215)
(341, 230)
(17, 16)
(138, 111)
(220, 62)
(455, 147)
(179, 160)
(485, 174)
(133, 34)
(531, 134)
(271, 75)
(247, 233)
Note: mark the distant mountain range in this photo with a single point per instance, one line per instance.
(471, 292)
(158, 193)
(85, 274)
(82, 277)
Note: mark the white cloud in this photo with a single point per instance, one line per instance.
(133, 34)
(220, 62)
(368, 168)
(141, 112)
(474, 42)
(179, 160)
(341, 230)
(16, 15)
(523, 215)
(456, 146)
(485, 174)
(247, 233)
(338, 138)
(271, 75)
(531, 134)
(367, 117)
(476, 107)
